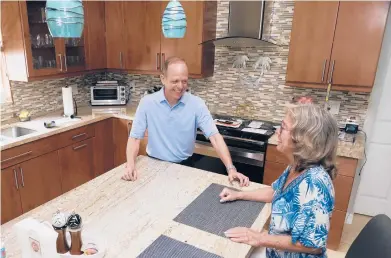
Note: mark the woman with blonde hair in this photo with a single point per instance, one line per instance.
(303, 196)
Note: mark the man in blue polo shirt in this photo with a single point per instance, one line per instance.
(172, 117)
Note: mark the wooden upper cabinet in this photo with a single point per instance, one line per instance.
(201, 26)
(142, 35)
(311, 41)
(95, 41)
(115, 30)
(11, 206)
(347, 35)
(357, 42)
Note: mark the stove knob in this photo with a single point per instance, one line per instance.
(123, 99)
(123, 89)
(123, 94)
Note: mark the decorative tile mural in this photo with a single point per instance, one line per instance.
(232, 91)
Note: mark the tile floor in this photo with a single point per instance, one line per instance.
(349, 233)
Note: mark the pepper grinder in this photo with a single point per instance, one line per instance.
(59, 223)
(75, 226)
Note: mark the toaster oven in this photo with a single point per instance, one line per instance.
(108, 95)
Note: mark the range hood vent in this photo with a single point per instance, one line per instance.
(248, 25)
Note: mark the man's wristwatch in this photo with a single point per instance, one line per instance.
(230, 168)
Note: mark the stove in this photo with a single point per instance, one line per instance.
(246, 141)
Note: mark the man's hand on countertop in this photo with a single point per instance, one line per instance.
(130, 174)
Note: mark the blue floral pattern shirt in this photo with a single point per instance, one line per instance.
(302, 210)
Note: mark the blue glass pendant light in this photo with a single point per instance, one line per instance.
(65, 18)
(174, 20)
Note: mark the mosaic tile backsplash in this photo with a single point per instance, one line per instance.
(234, 91)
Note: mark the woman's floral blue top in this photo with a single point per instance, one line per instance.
(302, 210)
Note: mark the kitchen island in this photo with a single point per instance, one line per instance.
(129, 216)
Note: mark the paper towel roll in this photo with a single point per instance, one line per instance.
(67, 100)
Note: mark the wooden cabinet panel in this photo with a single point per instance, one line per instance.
(272, 171)
(311, 41)
(94, 12)
(76, 163)
(188, 47)
(34, 149)
(143, 36)
(104, 147)
(357, 42)
(121, 130)
(75, 135)
(39, 180)
(342, 187)
(11, 205)
(115, 44)
(272, 154)
(346, 166)
(336, 228)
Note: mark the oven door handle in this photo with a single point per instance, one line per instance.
(239, 154)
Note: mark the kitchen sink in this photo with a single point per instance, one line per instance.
(16, 131)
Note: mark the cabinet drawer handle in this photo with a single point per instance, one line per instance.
(16, 179)
(163, 61)
(332, 72)
(324, 68)
(21, 173)
(157, 61)
(17, 156)
(60, 62)
(65, 62)
(77, 136)
(79, 147)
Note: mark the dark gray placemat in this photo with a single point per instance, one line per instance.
(166, 247)
(208, 214)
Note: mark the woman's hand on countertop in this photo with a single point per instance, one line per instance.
(228, 195)
(245, 236)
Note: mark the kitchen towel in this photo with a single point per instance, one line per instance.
(67, 100)
(166, 247)
(208, 214)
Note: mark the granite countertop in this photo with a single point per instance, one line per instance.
(129, 216)
(345, 149)
(87, 114)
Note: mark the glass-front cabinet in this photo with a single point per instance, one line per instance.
(49, 55)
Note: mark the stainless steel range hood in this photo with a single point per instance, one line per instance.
(248, 25)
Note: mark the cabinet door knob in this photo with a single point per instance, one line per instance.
(16, 179)
(21, 173)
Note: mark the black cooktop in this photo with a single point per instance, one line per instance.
(239, 133)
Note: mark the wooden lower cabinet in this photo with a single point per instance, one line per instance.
(336, 228)
(103, 147)
(29, 184)
(273, 170)
(77, 165)
(11, 205)
(121, 130)
(40, 180)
